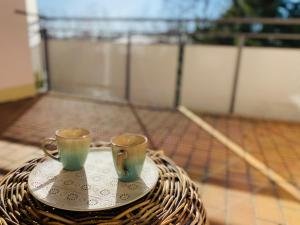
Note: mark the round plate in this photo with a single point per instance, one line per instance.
(94, 188)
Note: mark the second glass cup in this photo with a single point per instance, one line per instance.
(129, 152)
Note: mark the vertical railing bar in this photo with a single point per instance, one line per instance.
(128, 68)
(179, 72)
(44, 35)
(241, 43)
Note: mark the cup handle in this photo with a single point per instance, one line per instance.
(49, 141)
(121, 156)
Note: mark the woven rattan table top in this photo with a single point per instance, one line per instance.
(174, 200)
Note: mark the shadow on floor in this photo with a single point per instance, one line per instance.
(11, 111)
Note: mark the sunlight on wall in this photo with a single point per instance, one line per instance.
(16, 80)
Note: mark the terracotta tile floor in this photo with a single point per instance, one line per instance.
(276, 144)
(233, 192)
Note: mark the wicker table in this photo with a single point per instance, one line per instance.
(174, 200)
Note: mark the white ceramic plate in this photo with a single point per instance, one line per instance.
(94, 188)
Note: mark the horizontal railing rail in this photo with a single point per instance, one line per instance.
(250, 20)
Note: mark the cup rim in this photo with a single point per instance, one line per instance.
(87, 133)
(139, 135)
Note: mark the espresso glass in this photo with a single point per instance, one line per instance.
(73, 146)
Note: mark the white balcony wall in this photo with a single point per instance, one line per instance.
(153, 74)
(208, 73)
(90, 68)
(269, 83)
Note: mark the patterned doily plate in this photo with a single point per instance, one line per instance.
(94, 188)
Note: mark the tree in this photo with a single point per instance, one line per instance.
(257, 8)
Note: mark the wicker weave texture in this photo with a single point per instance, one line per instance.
(174, 200)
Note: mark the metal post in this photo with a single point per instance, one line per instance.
(241, 43)
(128, 68)
(181, 46)
(44, 35)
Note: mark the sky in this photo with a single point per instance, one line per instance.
(130, 8)
(127, 9)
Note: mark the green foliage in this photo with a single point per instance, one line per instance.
(256, 8)
(39, 81)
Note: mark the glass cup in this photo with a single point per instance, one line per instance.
(129, 152)
(73, 146)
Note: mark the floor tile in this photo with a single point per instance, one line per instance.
(292, 216)
(268, 208)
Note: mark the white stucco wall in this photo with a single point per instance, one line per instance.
(33, 23)
(15, 62)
